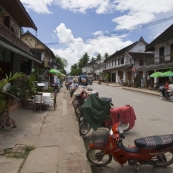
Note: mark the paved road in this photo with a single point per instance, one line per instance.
(154, 117)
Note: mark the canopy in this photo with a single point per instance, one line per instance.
(83, 76)
(156, 74)
(94, 110)
(167, 73)
(54, 71)
(83, 80)
(63, 75)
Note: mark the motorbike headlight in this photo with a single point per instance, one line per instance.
(120, 130)
(111, 132)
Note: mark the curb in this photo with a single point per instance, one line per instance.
(134, 89)
(142, 91)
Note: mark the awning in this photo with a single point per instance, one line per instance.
(63, 75)
(18, 51)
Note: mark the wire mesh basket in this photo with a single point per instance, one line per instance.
(100, 137)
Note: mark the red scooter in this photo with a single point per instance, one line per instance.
(153, 150)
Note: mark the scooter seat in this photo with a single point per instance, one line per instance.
(154, 142)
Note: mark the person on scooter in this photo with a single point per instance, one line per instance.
(165, 89)
(99, 81)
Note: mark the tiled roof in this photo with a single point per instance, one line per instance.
(165, 36)
(18, 12)
(51, 52)
(124, 50)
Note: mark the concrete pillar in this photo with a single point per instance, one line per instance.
(155, 79)
(145, 78)
(124, 76)
(117, 76)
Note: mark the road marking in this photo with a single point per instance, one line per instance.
(135, 100)
(113, 93)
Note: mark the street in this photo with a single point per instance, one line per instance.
(154, 117)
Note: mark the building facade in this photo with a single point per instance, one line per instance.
(15, 55)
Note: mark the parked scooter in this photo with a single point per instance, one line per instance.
(67, 84)
(56, 87)
(80, 95)
(153, 150)
(100, 112)
(84, 126)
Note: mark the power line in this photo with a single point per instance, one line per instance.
(122, 31)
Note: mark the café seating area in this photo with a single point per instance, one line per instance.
(42, 100)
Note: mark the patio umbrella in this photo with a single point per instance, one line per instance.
(156, 74)
(167, 73)
(54, 71)
(63, 75)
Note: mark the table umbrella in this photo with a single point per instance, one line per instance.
(167, 73)
(156, 74)
(54, 71)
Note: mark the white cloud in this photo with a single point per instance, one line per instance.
(136, 11)
(39, 6)
(98, 33)
(140, 12)
(77, 46)
(101, 6)
(132, 13)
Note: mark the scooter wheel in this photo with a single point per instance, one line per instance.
(164, 159)
(84, 128)
(125, 127)
(77, 110)
(97, 157)
(80, 118)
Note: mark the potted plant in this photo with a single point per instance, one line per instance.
(24, 87)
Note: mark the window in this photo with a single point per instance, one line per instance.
(141, 62)
(37, 54)
(122, 60)
(112, 63)
(161, 51)
(118, 61)
(115, 62)
(132, 61)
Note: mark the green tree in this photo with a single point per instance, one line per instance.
(106, 55)
(98, 56)
(75, 71)
(92, 59)
(83, 61)
(62, 63)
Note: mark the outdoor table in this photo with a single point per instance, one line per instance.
(41, 84)
(46, 98)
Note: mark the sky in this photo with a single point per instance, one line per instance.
(71, 28)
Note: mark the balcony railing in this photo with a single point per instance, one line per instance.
(8, 34)
(160, 60)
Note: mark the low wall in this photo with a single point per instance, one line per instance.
(14, 105)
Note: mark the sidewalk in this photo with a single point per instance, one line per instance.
(143, 90)
(58, 147)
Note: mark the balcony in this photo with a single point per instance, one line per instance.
(9, 35)
(159, 60)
